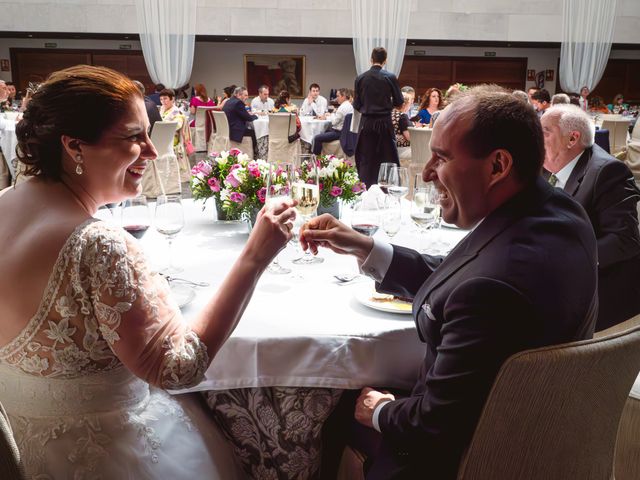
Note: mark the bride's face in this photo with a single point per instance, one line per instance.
(114, 165)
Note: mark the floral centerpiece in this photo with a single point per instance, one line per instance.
(338, 180)
(236, 182)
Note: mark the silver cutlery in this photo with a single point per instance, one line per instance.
(170, 279)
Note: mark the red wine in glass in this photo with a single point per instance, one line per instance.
(136, 230)
(367, 229)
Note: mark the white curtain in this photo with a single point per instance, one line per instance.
(167, 33)
(379, 23)
(587, 34)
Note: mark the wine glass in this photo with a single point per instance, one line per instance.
(391, 216)
(425, 207)
(135, 216)
(383, 175)
(306, 191)
(169, 220)
(365, 217)
(398, 185)
(278, 188)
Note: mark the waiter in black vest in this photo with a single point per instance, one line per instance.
(376, 93)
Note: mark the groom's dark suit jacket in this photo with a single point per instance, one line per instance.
(605, 187)
(524, 278)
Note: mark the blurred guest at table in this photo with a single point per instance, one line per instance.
(413, 109)
(431, 103)
(315, 104)
(521, 95)
(283, 104)
(239, 119)
(200, 99)
(541, 101)
(376, 93)
(583, 101)
(617, 106)
(560, 99)
(152, 110)
(597, 105)
(487, 152)
(530, 92)
(5, 174)
(605, 187)
(155, 96)
(262, 103)
(343, 97)
(228, 93)
(574, 99)
(10, 103)
(401, 124)
(171, 113)
(106, 337)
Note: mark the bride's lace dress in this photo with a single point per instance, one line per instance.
(75, 380)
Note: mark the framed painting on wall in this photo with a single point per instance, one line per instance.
(278, 72)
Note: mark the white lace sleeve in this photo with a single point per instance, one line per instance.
(136, 315)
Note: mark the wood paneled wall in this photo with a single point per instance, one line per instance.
(620, 76)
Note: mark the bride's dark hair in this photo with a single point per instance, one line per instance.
(81, 102)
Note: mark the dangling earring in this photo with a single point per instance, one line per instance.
(78, 160)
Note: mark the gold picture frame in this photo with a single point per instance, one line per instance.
(278, 72)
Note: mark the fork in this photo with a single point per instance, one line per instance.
(169, 278)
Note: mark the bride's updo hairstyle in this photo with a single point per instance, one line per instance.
(82, 102)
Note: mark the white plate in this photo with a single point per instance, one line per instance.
(182, 294)
(449, 225)
(365, 297)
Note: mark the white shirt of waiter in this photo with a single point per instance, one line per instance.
(315, 104)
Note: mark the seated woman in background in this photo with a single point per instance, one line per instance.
(228, 93)
(431, 103)
(596, 105)
(282, 105)
(618, 106)
(171, 113)
(83, 377)
(200, 99)
(401, 124)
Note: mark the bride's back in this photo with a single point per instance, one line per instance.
(37, 218)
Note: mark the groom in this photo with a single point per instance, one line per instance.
(502, 290)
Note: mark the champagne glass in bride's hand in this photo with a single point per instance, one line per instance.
(306, 191)
(169, 221)
(278, 182)
(136, 217)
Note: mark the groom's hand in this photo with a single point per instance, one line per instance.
(367, 402)
(330, 233)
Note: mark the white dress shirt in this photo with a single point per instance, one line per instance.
(258, 105)
(565, 172)
(344, 109)
(317, 107)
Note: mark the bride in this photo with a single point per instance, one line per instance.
(89, 336)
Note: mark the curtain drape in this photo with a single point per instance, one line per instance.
(587, 34)
(379, 23)
(167, 34)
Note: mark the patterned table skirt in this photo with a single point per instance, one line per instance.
(275, 432)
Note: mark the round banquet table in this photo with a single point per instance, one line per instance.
(310, 127)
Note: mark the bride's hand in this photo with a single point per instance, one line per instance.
(271, 231)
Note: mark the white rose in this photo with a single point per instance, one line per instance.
(243, 157)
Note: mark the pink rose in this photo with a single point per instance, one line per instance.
(335, 191)
(262, 194)
(237, 197)
(214, 184)
(204, 167)
(235, 166)
(359, 187)
(253, 169)
(234, 152)
(195, 170)
(232, 180)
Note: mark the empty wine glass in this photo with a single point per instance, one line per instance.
(306, 191)
(398, 185)
(391, 216)
(365, 217)
(425, 207)
(135, 216)
(278, 188)
(383, 175)
(169, 221)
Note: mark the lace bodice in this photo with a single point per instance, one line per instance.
(103, 307)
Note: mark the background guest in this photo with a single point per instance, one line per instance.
(228, 93)
(596, 105)
(282, 105)
(200, 99)
(262, 103)
(618, 106)
(155, 96)
(343, 97)
(541, 101)
(560, 99)
(431, 103)
(583, 101)
(401, 124)
(171, 113)
(530, 92)
(315, 104)
(152, 110)
(521, 95)
(238, 117)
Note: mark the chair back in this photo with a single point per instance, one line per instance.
(221, 122)
(348, 139)
(420, 153)
(10, 462)
(201, 138)
(635, 133)
(618, 127)
(554, 412)
(281, 125)
(162, 137)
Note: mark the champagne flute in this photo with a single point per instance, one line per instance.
(391, 216)
(135, 216)
(169, 221)
(398, 182)
(278, 189)
(383, 175)
(306, 191)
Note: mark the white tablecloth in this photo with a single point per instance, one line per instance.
(300, 329)
(8, 143)
(310, 127)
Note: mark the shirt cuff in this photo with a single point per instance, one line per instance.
(377, 263)
(376, 414)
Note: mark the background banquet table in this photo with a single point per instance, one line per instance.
(310, 127)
